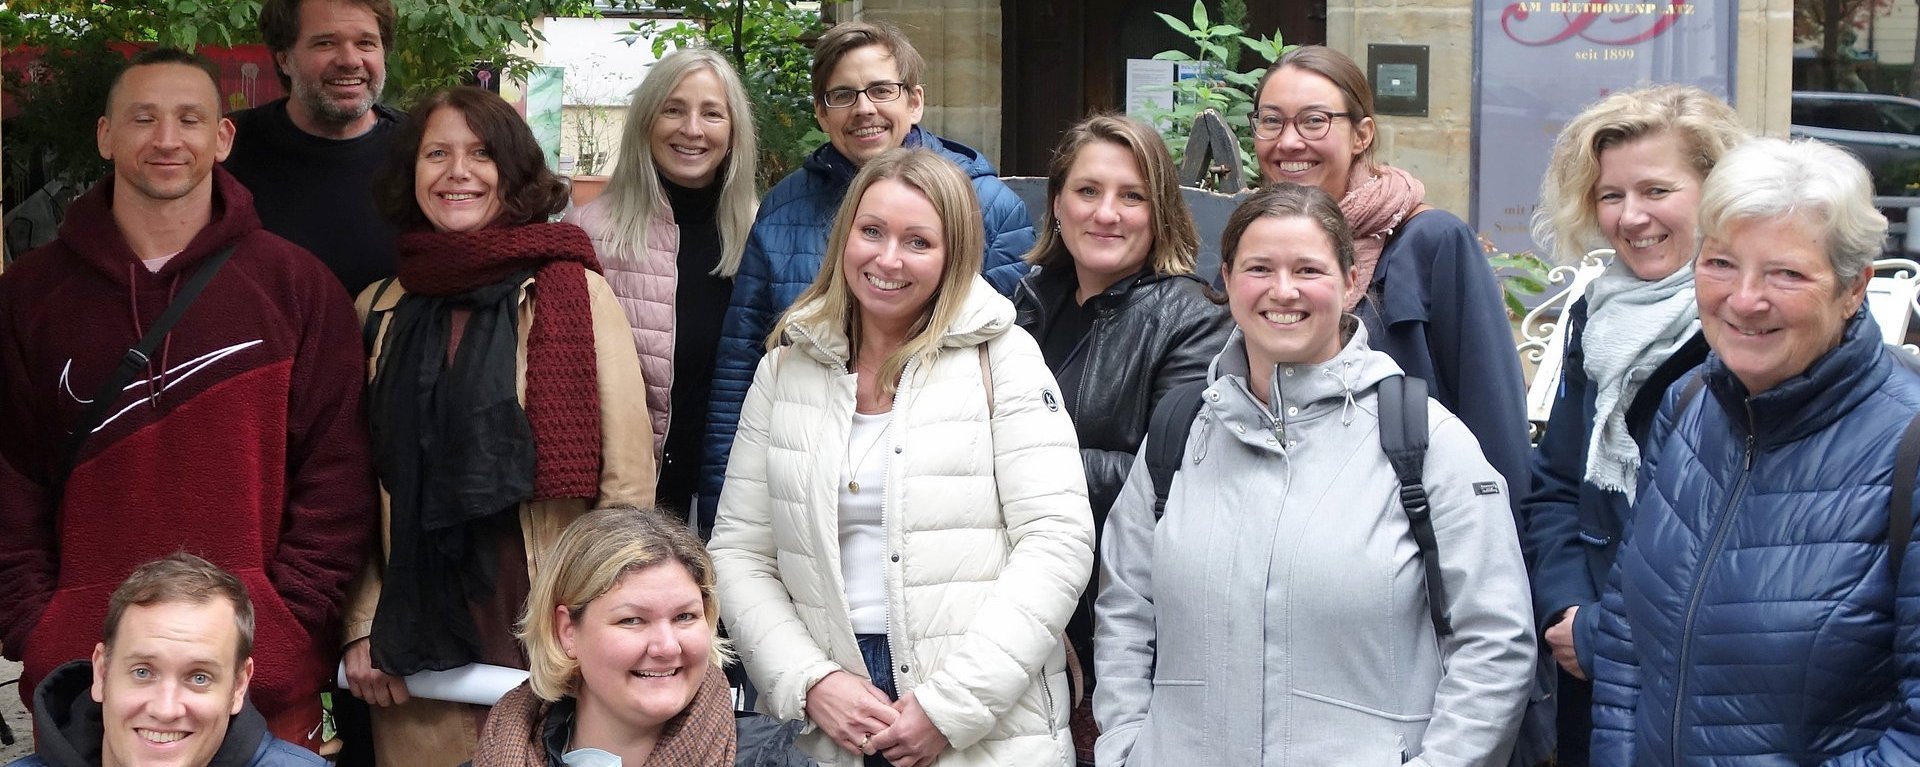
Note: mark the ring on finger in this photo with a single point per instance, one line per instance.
(865, 740)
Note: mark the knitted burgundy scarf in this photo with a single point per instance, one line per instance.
(563, 397)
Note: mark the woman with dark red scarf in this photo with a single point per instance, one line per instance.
(505, 398)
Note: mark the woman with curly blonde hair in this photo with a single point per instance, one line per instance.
(1626, 174)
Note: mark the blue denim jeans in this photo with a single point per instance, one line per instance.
(879, 659)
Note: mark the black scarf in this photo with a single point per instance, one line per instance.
(456, 454)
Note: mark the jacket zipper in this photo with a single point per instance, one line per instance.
(899, 669)
(1046, 694)
(1721, 527)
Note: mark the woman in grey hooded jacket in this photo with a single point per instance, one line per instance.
(1277, 613)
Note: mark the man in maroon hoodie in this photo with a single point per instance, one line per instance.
(241, 440)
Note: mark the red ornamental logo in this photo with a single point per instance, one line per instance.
(1604, 23)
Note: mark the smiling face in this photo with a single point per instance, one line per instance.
(693, 131)
(865, 129)
(1286, 292)
(454, 178)
(1770, 303)
(644, 648)
(337, 68)
(1647, 200)
(895, 256)
(163, 132)
(1326, 162)
(170, 685)
(1105, 218)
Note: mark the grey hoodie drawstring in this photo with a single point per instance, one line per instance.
(1346, 389)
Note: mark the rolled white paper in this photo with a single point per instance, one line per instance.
(476, 683)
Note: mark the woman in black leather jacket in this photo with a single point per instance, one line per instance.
(1113, 300)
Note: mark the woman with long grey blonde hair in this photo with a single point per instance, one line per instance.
(669, 231)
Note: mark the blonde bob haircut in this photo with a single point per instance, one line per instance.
(1176, 244)
(1567, 223)
(588, 560)
(635, 196)
(829, 301)
(1823, 185)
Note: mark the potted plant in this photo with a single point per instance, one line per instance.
(589, 113)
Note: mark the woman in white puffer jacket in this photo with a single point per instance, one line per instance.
(904, 529)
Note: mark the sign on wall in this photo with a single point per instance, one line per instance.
(1541, 62)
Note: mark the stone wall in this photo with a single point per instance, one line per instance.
(1439, 148)
(960, 40)
(1763, 84)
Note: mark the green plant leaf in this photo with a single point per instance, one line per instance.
(1224, 30)
(1266, 48)
(1178, 25)
(1172, 56)
(1199, 15)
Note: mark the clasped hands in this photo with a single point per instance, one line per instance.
(858, 716)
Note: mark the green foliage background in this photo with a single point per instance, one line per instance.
(436, 43)
(1219, 49)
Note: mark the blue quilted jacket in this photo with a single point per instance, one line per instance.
(784, 253)
(1751, 618)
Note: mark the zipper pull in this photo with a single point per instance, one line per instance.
(1748, 404)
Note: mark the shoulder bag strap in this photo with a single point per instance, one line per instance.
(370, 329)
(1906, 462)
(133, 361)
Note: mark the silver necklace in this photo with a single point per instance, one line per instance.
(853, 471)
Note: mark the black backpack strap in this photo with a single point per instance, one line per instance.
(1167, 438)
(1906, 462)
(1695, 383)
(1403, 437)
(135, 360)
(370, 328)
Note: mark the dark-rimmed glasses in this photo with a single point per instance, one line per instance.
(878, 93)
(1312, 124)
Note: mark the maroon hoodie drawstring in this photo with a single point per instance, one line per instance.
(166, 344)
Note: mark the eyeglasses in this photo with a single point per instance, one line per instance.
(878, 93)
(1312, 124)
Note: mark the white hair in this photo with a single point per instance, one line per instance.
(1822, 184)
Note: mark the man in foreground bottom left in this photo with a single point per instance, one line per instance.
(167, 683)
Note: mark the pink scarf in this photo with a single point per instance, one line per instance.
(1375, 208)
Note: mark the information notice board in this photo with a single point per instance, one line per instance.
(1540, 63)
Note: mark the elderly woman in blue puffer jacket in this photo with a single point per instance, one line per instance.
(1756, 614)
